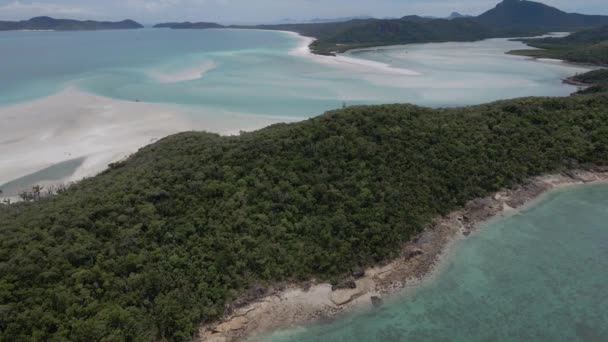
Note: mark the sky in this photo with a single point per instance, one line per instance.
(258, 11)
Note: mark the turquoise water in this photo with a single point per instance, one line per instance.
(250, 71)
(537, 276)
(53, 173)
(223, 81)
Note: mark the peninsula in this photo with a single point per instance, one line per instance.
(197, 223)
(52, 24)
(588, 46)
(510, 18)
(181, 239)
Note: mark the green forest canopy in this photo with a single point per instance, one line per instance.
(587, 46)
(510, 18)
(159, 243)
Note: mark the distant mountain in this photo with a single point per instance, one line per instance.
(510, 18)
(48, 23)
(189, 25)
(411, 30)
(335, 20)
(529, 14)
(455, 15)
(417, 19)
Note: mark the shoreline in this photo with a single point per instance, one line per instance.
(341, 60)
(531, 57)
(285, 306)
(571, 81)
(102, 130)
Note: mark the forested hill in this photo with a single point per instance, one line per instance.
(586, 46)
(48, 23)
(510, 18)
(596, 81)
(341, 36)
(159, 243)
(189, 25)
(524, 14)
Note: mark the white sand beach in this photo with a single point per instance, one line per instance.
(74, 124)
(345, 62)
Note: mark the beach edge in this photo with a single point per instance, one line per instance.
(287, 306)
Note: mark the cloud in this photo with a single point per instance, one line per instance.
(153, 5)
(150, 11)
(23, 10)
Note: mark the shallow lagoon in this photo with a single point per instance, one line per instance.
(539, 275)
(101, 95)
(252, 71)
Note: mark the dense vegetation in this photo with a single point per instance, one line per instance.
(161, 242)
(586, 46)
(341, 36)
(592, 77)
(400, 31)
(47, 23)
(512, 14)
(510, 18)
(189, 25)
(597, 80)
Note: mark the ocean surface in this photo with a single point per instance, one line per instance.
(539, 275)
(96, 97)
(257, 72)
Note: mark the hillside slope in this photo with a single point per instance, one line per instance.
(510, 18)
(587, 46)
(48, 23)
(163, 241)
(530, 14)
(341, 36)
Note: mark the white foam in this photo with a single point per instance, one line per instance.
(191, 73)
(550, 60)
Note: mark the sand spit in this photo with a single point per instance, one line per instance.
(74, 124)
(191, 73)
(288, 306)
(345, 62)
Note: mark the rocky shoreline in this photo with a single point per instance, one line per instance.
(296, 304)
(572, 81)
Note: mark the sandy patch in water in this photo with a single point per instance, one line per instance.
(74, 124)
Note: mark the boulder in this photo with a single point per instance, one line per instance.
(259, 292)
(344, 285)
(413, 253)
(377, 301)
(306, 286)
(236, 323)
(358, 273)
(346, 295)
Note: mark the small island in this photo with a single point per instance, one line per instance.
(52, 24)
